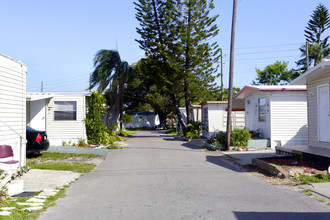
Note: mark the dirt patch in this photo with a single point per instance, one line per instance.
(293, 166)
(96, 161)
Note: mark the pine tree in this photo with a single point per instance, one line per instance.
(318, 48)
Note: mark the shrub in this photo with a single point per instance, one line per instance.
(193, 129)
(127, 118)
(218, 140)
(240, 137)
(82, 142)
(94, 126)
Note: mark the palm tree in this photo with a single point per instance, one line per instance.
(111, 71)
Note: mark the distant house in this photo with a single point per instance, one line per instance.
(214, 117)
(12, 114)
(279, 113)
(195, 112)
(61, 115)
(317, 80)
(143, 119)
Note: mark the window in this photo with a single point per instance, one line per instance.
(262, 109)
(65, 111)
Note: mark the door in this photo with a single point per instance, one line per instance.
(323, 113)
(38, 114)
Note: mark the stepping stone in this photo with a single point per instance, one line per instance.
(7, 208)
(33, 208)
(30, 204)
(40, 197)
(49, 192)
(36, 200)
(5, 213)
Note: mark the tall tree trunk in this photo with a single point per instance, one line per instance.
(162, 117)
(114, 108)
(187, 65)
(121, 96)
(178, 115)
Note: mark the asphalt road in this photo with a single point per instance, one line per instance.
(156, 177)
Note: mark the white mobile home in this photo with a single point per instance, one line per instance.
(278, 112)
(12, 113)
(317, 80)
(214, 117)
(195, 112)
(61, 115)
(144, 119)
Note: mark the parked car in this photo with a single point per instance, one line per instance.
(36, 140)
(161, 127)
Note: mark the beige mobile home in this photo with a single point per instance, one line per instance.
(317, 80)
(278, 112)
(61, 115)
(12, 114)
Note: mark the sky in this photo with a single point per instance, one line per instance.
(58, 40)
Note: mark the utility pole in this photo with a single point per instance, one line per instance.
(231, 76)
(42, 86)
(307, 57)
(221, 75)
(90, 80)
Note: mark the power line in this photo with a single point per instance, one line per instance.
(267, 58)
(272, 51)
(278, 45)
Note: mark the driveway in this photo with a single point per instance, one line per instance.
(157, 177)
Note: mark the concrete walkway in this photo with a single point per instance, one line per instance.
(157, 177)
(245, 158)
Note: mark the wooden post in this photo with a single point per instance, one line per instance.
(231, 76)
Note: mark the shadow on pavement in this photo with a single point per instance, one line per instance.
(217, 160)
(282, 215)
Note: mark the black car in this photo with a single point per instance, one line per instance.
(36, 140)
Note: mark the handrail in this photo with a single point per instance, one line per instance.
(21, 141)
(13, 130)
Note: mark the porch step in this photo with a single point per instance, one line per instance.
(15, 187)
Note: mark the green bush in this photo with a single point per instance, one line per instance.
(127, 118)
(93, 122)
(193, 129)
(218, 140)
(240, 137)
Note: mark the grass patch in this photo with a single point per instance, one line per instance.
(61, 156)
(171, 131)
(50, 165)
(307, 192)
(317, 178)
(320, 199)
(18, 213)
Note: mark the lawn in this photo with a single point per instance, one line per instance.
(80, 163)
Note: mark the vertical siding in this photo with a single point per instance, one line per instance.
(216, 117)
(289, 118)
(312, 110)
(251, 113)
(59, 131)
(13, 104)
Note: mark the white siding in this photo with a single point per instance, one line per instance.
(289, 118)
(59, 131)
(216, 117)
(13, 106)
(312, 110)
(251, 113)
